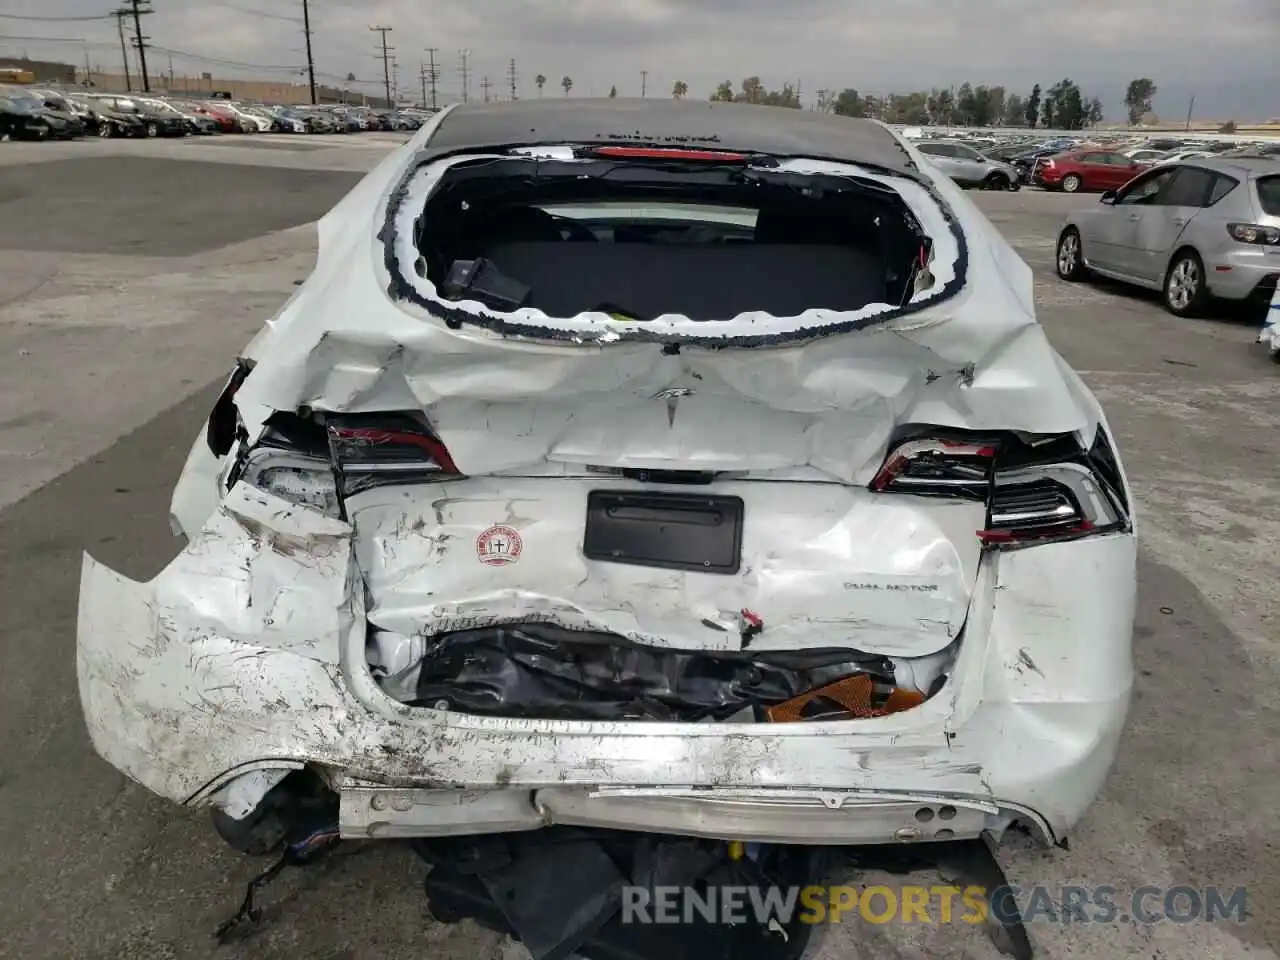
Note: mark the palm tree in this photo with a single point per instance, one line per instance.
(680, 90)
(541, 81)
(567, 83)
(613, 92)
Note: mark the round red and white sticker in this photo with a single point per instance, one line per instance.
(499, 546)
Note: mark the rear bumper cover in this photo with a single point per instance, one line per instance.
(246, 654)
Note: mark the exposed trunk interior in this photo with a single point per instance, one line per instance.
(540, 671)
(641, 239)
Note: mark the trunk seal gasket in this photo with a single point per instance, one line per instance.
(401, 290)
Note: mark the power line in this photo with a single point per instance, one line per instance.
(463, 55)
(124, 50)
(261, 13)
(311, 63)
(512, 78)
(644, 83)
(218, 61)
(17, 16)
(139, 9)
(485, 84)
(386, 61)
(433, 77)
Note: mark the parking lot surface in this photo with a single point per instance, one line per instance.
(131, 273)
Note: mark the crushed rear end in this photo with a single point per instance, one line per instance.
(689, 489)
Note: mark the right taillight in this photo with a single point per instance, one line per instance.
(1049, 490)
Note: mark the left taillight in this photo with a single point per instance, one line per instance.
(379, 450)
(319, 460)
(1046, 491)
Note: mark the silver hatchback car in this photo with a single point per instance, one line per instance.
(1196, 230)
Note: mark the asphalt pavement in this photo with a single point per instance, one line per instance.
(130, 273)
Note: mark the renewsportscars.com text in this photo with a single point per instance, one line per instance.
(936, 904)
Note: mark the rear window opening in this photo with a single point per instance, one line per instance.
(631, 240)
(540, 671)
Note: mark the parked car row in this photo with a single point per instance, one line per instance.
(32, 113)
(1071, 165)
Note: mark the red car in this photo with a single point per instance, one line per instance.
(226, 121)
(1093, 169)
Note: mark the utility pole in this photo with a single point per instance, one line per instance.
(124, 50)
(644, 83)
(311, 63)
(511, 77)
(1190, 108)
(433, 75)
(485, 84)
(462, 58)
(139, 9)
(386, 62)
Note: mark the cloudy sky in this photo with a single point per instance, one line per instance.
(1224, 52)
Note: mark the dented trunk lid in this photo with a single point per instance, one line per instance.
(822, 565)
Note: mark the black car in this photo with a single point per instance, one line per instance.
(98, 119)
(154, 122)
(161, 123)
(25, 118)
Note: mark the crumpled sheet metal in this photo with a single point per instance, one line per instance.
(182, 701)
(977, 360)
(834, 565)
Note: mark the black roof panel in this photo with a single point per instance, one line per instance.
(726, 126)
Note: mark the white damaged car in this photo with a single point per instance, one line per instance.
(684, 468)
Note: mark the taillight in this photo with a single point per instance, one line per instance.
(1034, 492)
(938, 468)
(380, 449)
(319, 463)
(1254, 233)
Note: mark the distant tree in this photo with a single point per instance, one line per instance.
(724, 92)
(351, 78)
(910, 108)
(1015, 111)
(940, 107)
(613, 92)
(752, 91)
(826, 102)
(1228, 127)
(966, 106)
(567, 83)
(679, 90)
(873, 106)
(541, 81)
(786, 97)
(992, 104)
(849, 104)
(1048, 108)
(1093, 114)
(1031, 112)
(1138, 98)
(1063, 107)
